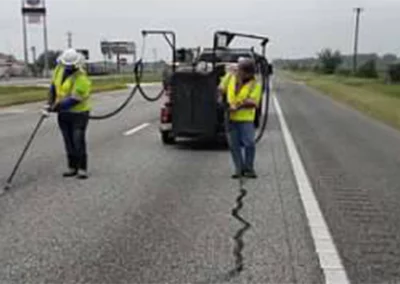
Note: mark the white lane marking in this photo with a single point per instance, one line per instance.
(136, 129)
(145, 84)
(329, 259)
(12, 111)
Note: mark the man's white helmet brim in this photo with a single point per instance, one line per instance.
(71, 57)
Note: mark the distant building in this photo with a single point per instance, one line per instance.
(11, 67)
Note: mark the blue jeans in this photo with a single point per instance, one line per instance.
(242, 135)
(73, 128)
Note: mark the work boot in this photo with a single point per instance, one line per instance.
(70, 173)
(82, 174)
(236, 176)
(250, 174)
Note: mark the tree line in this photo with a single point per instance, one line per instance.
(329, 61)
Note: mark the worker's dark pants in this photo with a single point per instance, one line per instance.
(242, 135)
(73, 128)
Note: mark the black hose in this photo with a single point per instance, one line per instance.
(118, 110)
(138, 73)
(138, 78)
(266, 89)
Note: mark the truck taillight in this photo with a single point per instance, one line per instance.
(168, 92)
(165, 115)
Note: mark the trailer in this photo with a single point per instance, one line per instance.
(191, 108)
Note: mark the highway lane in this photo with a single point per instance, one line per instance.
(149, 213)
(353, 163)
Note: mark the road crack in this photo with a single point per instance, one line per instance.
(238, 239)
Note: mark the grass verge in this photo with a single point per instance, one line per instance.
(372, 97)
(14, 95)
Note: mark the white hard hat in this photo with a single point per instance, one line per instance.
(71, 57)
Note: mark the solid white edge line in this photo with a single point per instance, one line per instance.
(136, 129)
(329, 259)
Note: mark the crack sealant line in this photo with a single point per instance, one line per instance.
(238, 238)
(331, 264)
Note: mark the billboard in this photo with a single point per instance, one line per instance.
(34, 10)
(118, 47)
(123, 61)
(33, 2)
(84, 52)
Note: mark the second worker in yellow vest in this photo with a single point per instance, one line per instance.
(243, 95)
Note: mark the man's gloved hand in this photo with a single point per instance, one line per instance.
(234, 107)
(45, 111)
(66, 103)
(56, 107)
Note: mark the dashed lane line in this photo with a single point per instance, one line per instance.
(136, 129)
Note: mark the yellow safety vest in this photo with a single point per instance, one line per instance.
(77, 85)
(252, 90)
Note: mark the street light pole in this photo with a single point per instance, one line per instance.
(356, 34)
(25, 36)
(33, 49)
(46, 45)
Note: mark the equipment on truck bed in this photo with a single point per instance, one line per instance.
(191, 109)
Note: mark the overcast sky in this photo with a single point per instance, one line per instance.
(297, 28)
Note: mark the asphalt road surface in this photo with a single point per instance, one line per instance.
(353, 163)
(163, 214)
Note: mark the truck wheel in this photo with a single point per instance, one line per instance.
(167, 138)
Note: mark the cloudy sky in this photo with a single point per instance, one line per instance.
(296, 28)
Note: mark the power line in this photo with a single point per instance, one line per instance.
(358, 11)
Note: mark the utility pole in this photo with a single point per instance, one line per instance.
(25, 36)
(357, 30)
(33, 49)
(69, 35)
(46, 42)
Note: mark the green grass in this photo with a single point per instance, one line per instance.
(12, 95)
(371, 96)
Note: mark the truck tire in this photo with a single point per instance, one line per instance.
(167, 138)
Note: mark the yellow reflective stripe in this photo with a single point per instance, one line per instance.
(247, 115)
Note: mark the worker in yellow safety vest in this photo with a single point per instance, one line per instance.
(70, 98)
(243, 95)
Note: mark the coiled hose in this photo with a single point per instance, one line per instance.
(138, 74)
(138, 78)
(266, 89)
